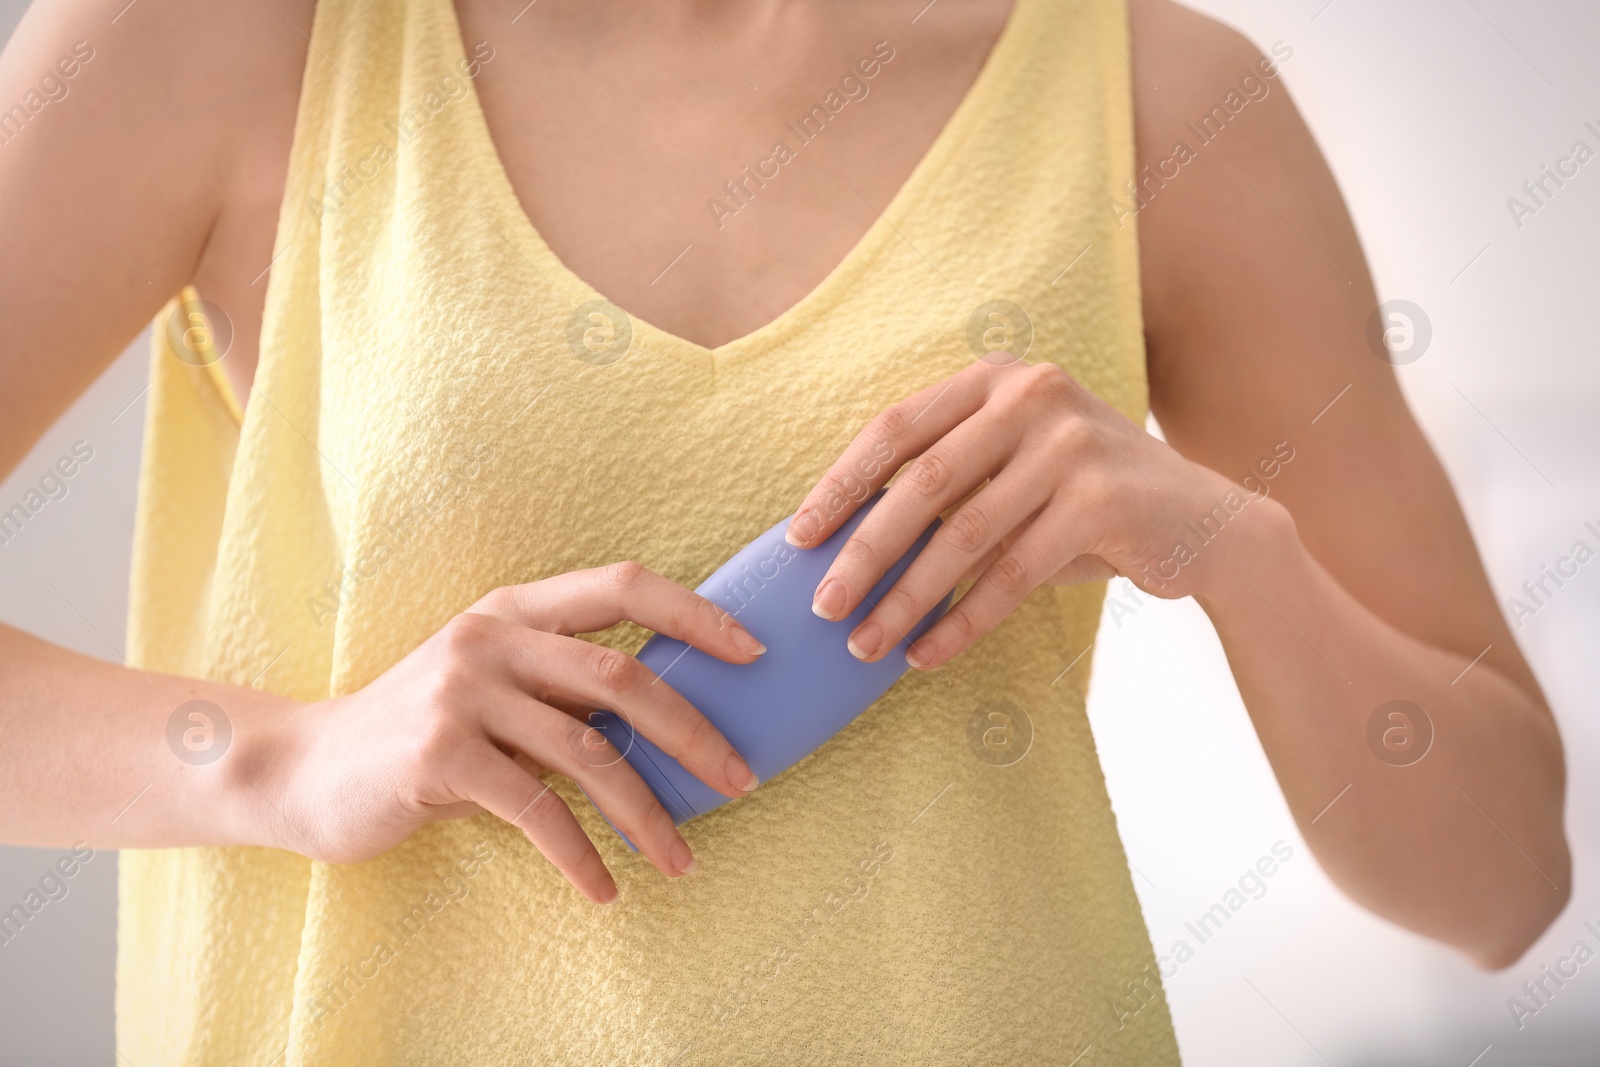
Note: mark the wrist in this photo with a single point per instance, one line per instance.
(269, 733)
(1263, 545)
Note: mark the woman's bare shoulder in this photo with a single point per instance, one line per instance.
(1187, 61)
(126, 128)
(81, 80)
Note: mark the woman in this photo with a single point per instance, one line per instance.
(532, 316)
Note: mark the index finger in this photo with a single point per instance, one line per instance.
(586, 601)
(895, 436)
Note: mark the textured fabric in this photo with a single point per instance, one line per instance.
(437, 413)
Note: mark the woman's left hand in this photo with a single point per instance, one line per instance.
(1063, 489)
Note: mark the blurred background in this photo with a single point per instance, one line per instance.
(1432, 114)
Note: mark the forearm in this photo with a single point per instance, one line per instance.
(1464, 844)
(91, 754)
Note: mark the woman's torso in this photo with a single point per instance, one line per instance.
(451, 406)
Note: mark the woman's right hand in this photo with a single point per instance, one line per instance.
(469, 721)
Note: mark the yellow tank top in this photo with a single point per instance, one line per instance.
(442, 408)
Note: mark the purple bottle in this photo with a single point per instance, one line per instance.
(803, 690)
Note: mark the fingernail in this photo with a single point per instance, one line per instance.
(915, 657)
(865, 641)
(829, 600)
(746, 642)
(615, 896)
(799, 522)
(682, 858)
(740, 775)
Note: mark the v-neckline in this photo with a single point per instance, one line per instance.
(823, 296)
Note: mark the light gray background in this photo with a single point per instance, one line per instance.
(1431, 113)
